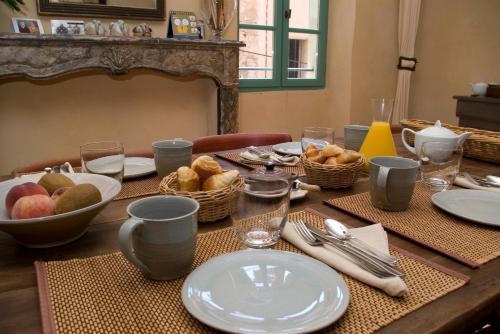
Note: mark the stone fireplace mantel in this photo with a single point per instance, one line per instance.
(48, 56)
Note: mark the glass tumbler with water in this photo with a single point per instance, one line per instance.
(439, 164)
(104, 158)
(318, 136)
(260, 211)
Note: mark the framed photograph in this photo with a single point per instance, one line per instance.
(27, 26)
(67, 27)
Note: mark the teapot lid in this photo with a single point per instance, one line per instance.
(271, 173)
(438, 131)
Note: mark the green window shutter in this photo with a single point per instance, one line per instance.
(285, 71)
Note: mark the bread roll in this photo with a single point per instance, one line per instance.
(311, 150)
(332, 151)
(220, 181)
(187, 179)
(205, 167)
(348, 157)
(331, 161)
(319, 157)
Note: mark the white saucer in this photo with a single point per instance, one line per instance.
(265, 291)
(289, 148)
(137, 167)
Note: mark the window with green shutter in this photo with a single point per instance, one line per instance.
(285, 44)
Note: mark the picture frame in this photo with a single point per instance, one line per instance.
(67, 27)
(23, 25)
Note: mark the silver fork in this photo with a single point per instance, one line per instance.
(269, 155)
(312, 240)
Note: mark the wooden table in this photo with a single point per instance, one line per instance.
(460, 311)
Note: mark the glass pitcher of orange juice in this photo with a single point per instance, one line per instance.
(379, 141)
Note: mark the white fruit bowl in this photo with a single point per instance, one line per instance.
(57, 229)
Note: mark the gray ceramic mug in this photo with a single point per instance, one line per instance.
(160, 236)
(354, 135)
(171, 154)
(392, 181)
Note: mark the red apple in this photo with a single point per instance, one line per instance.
(58, 193)
(21, 190)
(33, 206)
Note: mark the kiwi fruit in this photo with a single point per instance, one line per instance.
(53, 181)
(78, 197)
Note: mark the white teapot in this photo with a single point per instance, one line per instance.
(95, 27)
(434, 133)
(118, 28)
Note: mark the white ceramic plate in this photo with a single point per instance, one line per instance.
(265, 291)
(136, 167)
(479, 206)
(290, 148)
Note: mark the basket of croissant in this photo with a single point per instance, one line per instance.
(206, 182)
(332, 166)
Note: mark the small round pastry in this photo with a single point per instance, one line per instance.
(205, 167)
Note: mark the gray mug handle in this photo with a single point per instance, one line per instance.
(383, 174)
(125, 241)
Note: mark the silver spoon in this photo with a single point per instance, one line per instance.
(479, 182)
(337, 229)
(494, 179)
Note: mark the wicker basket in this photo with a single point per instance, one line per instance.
(332, 176)
(214, 204)
(483, 145)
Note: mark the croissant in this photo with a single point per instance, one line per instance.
(205, 167)
(220, 181)
(187, 179)
(331, 161)
(348, 157)
(332, 151)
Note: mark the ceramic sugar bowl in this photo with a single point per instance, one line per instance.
(434, 133)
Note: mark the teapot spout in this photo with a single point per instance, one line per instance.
(463, 137)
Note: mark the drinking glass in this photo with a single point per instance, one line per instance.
(318, 136)
(105, 158)
(260, 211)
(439, 164)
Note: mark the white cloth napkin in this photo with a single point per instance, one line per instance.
(463, 182)
(255, 158)
(373, 235)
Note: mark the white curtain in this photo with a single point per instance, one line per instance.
(409, 11)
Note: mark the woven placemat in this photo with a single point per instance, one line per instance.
(145, 186)
(235, 158)
(106, 294)
(467, 242)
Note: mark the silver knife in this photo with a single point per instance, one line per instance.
(376, 262)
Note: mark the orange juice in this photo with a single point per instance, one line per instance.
(378, 141)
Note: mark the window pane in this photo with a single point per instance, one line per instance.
(256, 58)
(305, 14)
(257, 12)
(302, 56)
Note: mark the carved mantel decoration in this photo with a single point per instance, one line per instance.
(49, 56)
